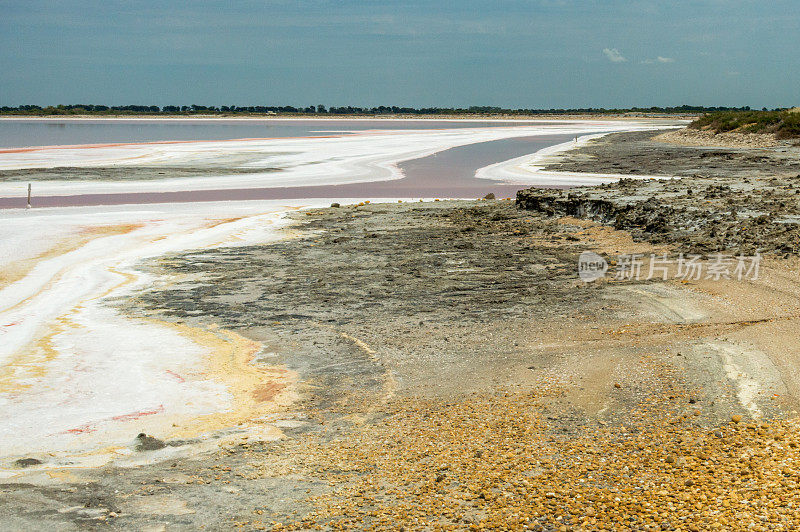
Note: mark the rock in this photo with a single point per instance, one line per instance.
(695, 227)
(670, 459)
(27, 462)
(335, 205)
(617, 385)
(148, 443)
(489, 196)
(736, 418)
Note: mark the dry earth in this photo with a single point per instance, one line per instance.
(684, 153)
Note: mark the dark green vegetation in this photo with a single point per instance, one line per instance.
(782, 123)
(321, 110)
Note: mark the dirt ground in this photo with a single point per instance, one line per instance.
(455, 373)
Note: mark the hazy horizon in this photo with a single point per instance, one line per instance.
(511, 54)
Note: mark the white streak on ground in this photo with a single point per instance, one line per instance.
(530, 169)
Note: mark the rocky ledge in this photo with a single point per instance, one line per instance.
(697, 215)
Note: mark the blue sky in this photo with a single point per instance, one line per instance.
(509, 53)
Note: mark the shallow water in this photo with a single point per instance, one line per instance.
(18, 133)
(446, 174)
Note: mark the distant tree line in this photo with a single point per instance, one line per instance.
(321, 110)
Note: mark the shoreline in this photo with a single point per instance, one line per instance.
(535, 166)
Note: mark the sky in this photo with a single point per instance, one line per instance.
(506, 53)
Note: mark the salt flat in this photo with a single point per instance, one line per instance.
(362, 157)
(77, 375)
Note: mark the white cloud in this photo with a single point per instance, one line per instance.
(658, 59)
(613, 55)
